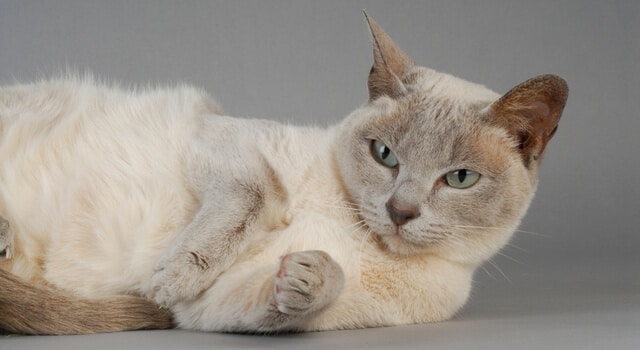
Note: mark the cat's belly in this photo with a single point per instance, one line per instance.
(92, 215)
(96, 237)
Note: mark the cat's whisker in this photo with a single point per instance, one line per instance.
(511, 244)
(364, 239)
(356, 226)
(341, 208)
(510, 258)
(501, 228)
(452, 242)
(481, 227)
(534, 233)
(495, 266)
(488, 273)
(346, 206)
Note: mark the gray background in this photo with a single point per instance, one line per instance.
(571, 280)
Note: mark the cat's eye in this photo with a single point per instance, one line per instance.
(461, 178)
(383, 155)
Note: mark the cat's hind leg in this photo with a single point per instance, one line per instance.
(6, 239)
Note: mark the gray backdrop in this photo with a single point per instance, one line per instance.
(572, 278)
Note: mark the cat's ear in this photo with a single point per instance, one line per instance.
(389, 64)
(530, 113)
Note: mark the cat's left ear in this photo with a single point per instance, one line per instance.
(530, 112)
(390, 64)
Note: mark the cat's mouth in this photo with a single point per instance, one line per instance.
(397, 240)
(399, 244)
(403, 240)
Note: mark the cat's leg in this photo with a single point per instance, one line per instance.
(280, 297)
(6, 239)
(237, 189)
(208, 245)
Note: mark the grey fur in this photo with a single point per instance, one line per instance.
(233, 169)
(6, 239)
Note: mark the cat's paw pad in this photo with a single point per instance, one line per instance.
(182, 276)
(6, 240)
(306, 282)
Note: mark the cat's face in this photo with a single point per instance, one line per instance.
(427, 172)
(439, 165)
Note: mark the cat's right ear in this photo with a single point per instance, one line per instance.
(389, 64)
(530, 112)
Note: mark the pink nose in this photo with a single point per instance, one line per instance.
(401, 213)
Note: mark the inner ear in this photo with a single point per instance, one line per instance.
(390, 64)
(530, 112)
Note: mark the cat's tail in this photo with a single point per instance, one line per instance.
(29, 309)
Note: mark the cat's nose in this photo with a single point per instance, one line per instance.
(401, 213)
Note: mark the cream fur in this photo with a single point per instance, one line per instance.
(93, 183)
(114, 192)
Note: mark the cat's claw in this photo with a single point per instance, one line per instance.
(306, 282)
(6, 240)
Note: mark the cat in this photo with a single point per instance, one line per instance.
(119, 205)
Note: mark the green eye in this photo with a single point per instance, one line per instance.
(383, 155)
(462, 178)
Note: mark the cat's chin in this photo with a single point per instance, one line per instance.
(398, 244)
(392, 239)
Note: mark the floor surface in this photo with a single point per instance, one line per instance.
(572, 306)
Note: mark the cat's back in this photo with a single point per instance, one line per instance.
(49, 105)
(89, 170)
(77, 129)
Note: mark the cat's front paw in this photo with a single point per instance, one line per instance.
(306, 282)
(180, 276)
(6, 239)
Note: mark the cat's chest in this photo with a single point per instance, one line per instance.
(387, 276)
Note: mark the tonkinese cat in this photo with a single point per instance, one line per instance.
(119, 205)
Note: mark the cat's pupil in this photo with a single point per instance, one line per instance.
(384, 152)
(461, 178)
(462, 174)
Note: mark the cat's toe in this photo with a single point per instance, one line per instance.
(306, 282)
(179, 278)
(6, 239)
(163, 289)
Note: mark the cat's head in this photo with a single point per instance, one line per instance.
(436, 164)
